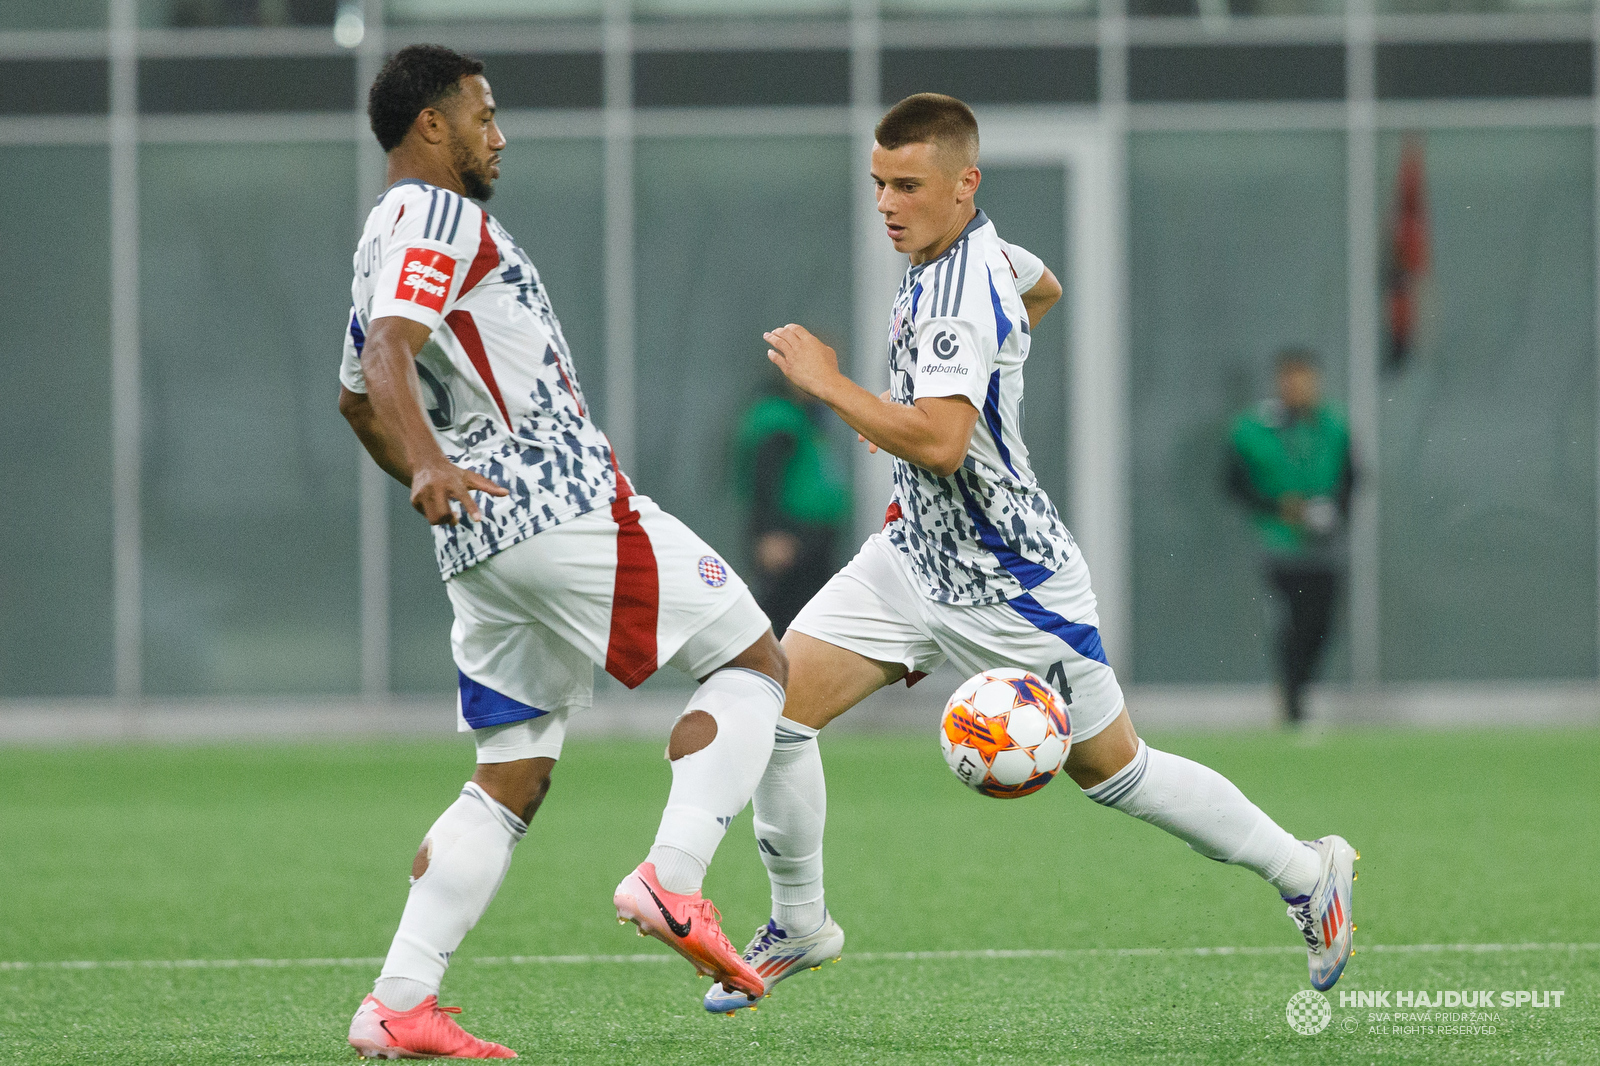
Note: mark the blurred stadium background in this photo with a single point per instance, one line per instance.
(195, 543)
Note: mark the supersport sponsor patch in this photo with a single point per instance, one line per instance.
(425, 278)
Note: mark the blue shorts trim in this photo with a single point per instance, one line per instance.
(482, 706)
(1081, 637)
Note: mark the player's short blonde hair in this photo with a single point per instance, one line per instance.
(932, 118)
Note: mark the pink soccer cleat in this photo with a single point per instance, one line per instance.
(426, 1031)
(688, 924)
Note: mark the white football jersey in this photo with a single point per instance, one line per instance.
(497, 379)
(987, 533)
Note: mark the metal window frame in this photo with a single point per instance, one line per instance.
(866, 32)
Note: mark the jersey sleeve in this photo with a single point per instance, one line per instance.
(1026, 267)
(350, 373)
(955, 356)
(425, 258)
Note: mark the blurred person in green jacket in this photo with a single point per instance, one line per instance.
(1290, 464)
(798, 499)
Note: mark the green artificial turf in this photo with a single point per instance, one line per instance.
(143, 854)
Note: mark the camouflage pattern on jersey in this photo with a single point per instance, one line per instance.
(984, 534)
(557, 465)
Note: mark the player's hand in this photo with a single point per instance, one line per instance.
(437, 487)
(811, 365)
(872, 449)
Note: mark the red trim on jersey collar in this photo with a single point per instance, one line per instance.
(487, 259)
(466, 331)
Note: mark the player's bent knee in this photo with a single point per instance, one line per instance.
(419, 865)
(765, 656)
(1097, 759)
(519, 786)
(693, 732)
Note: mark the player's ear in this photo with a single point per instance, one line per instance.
(967, 186)
(431, 126)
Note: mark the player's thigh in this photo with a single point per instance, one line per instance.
(860, 632)
(629, 586)
(563, 579)
(826, 680)
(510, 668)
(707, 617)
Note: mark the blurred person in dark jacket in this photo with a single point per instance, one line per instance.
(1291, 465)
(798, 499)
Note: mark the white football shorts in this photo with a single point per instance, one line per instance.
(875, 607)
(629, 588)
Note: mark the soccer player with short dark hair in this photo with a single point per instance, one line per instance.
(458, 380)
(974, 566)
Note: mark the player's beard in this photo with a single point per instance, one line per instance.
(474, 172)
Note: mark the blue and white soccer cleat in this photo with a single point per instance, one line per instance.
(1324, 917)
(775, 955)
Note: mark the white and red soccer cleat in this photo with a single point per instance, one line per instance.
(688, 924)
(1325, 917)
(426, 1031)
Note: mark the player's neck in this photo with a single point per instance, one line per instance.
(969, 212)
(408, 164)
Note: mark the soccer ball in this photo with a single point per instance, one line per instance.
(1005, 733)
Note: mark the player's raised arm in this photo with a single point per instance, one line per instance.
(389, 363)
(934, 433)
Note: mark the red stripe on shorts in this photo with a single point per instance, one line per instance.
(635, 601)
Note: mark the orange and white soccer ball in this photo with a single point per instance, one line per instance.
(1005, 733)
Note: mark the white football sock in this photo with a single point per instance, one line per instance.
(791, 808)
(711, 786)
(1208, 812)
(469, 851)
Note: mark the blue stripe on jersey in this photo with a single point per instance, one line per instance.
(916, 294)
(1081, 637)
(1029, 574)
(482, 706)
(461, 203)
(356, 334)
(1002, 324)
(433, 201)
(991, 415)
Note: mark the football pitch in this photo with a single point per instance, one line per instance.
(228, 904)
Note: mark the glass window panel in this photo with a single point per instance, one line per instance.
(1425, 7)
(735, 236)
(549, 197)
(464, 10)
(1028, 205)
(740, 8)
(1487, 504)
(251, 563)
(1223, 9)
(55, 422)
(198, 13)
(55, 15)
(989, 7)
(1237, 249)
